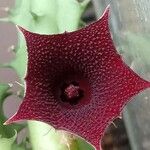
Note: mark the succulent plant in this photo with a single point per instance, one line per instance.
(75, 81)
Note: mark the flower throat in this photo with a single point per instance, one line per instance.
(71, 93)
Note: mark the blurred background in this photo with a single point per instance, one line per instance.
(130, 28)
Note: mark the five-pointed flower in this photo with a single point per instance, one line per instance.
(77, 81)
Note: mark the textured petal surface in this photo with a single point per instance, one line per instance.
(89, 57)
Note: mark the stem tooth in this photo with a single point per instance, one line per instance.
(19, 84)
(4, 19)
(6, 9)
(11, 48)
(114, 125)
(10, 85)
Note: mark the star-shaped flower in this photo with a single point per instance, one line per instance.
(77, 81)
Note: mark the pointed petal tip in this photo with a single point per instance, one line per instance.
(107, 9)
(27, 33)
(6, 123)
(11, 120)
(21, 29)
(106, 12)
(148, 84)
(24, 31)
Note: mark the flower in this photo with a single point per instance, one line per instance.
(77, 81)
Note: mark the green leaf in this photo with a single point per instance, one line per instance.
(83, 145)
(5, 131)
(7, 143)
(43, 136)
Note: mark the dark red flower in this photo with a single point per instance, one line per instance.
(77, 81)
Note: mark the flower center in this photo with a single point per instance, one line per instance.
(71, 93)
